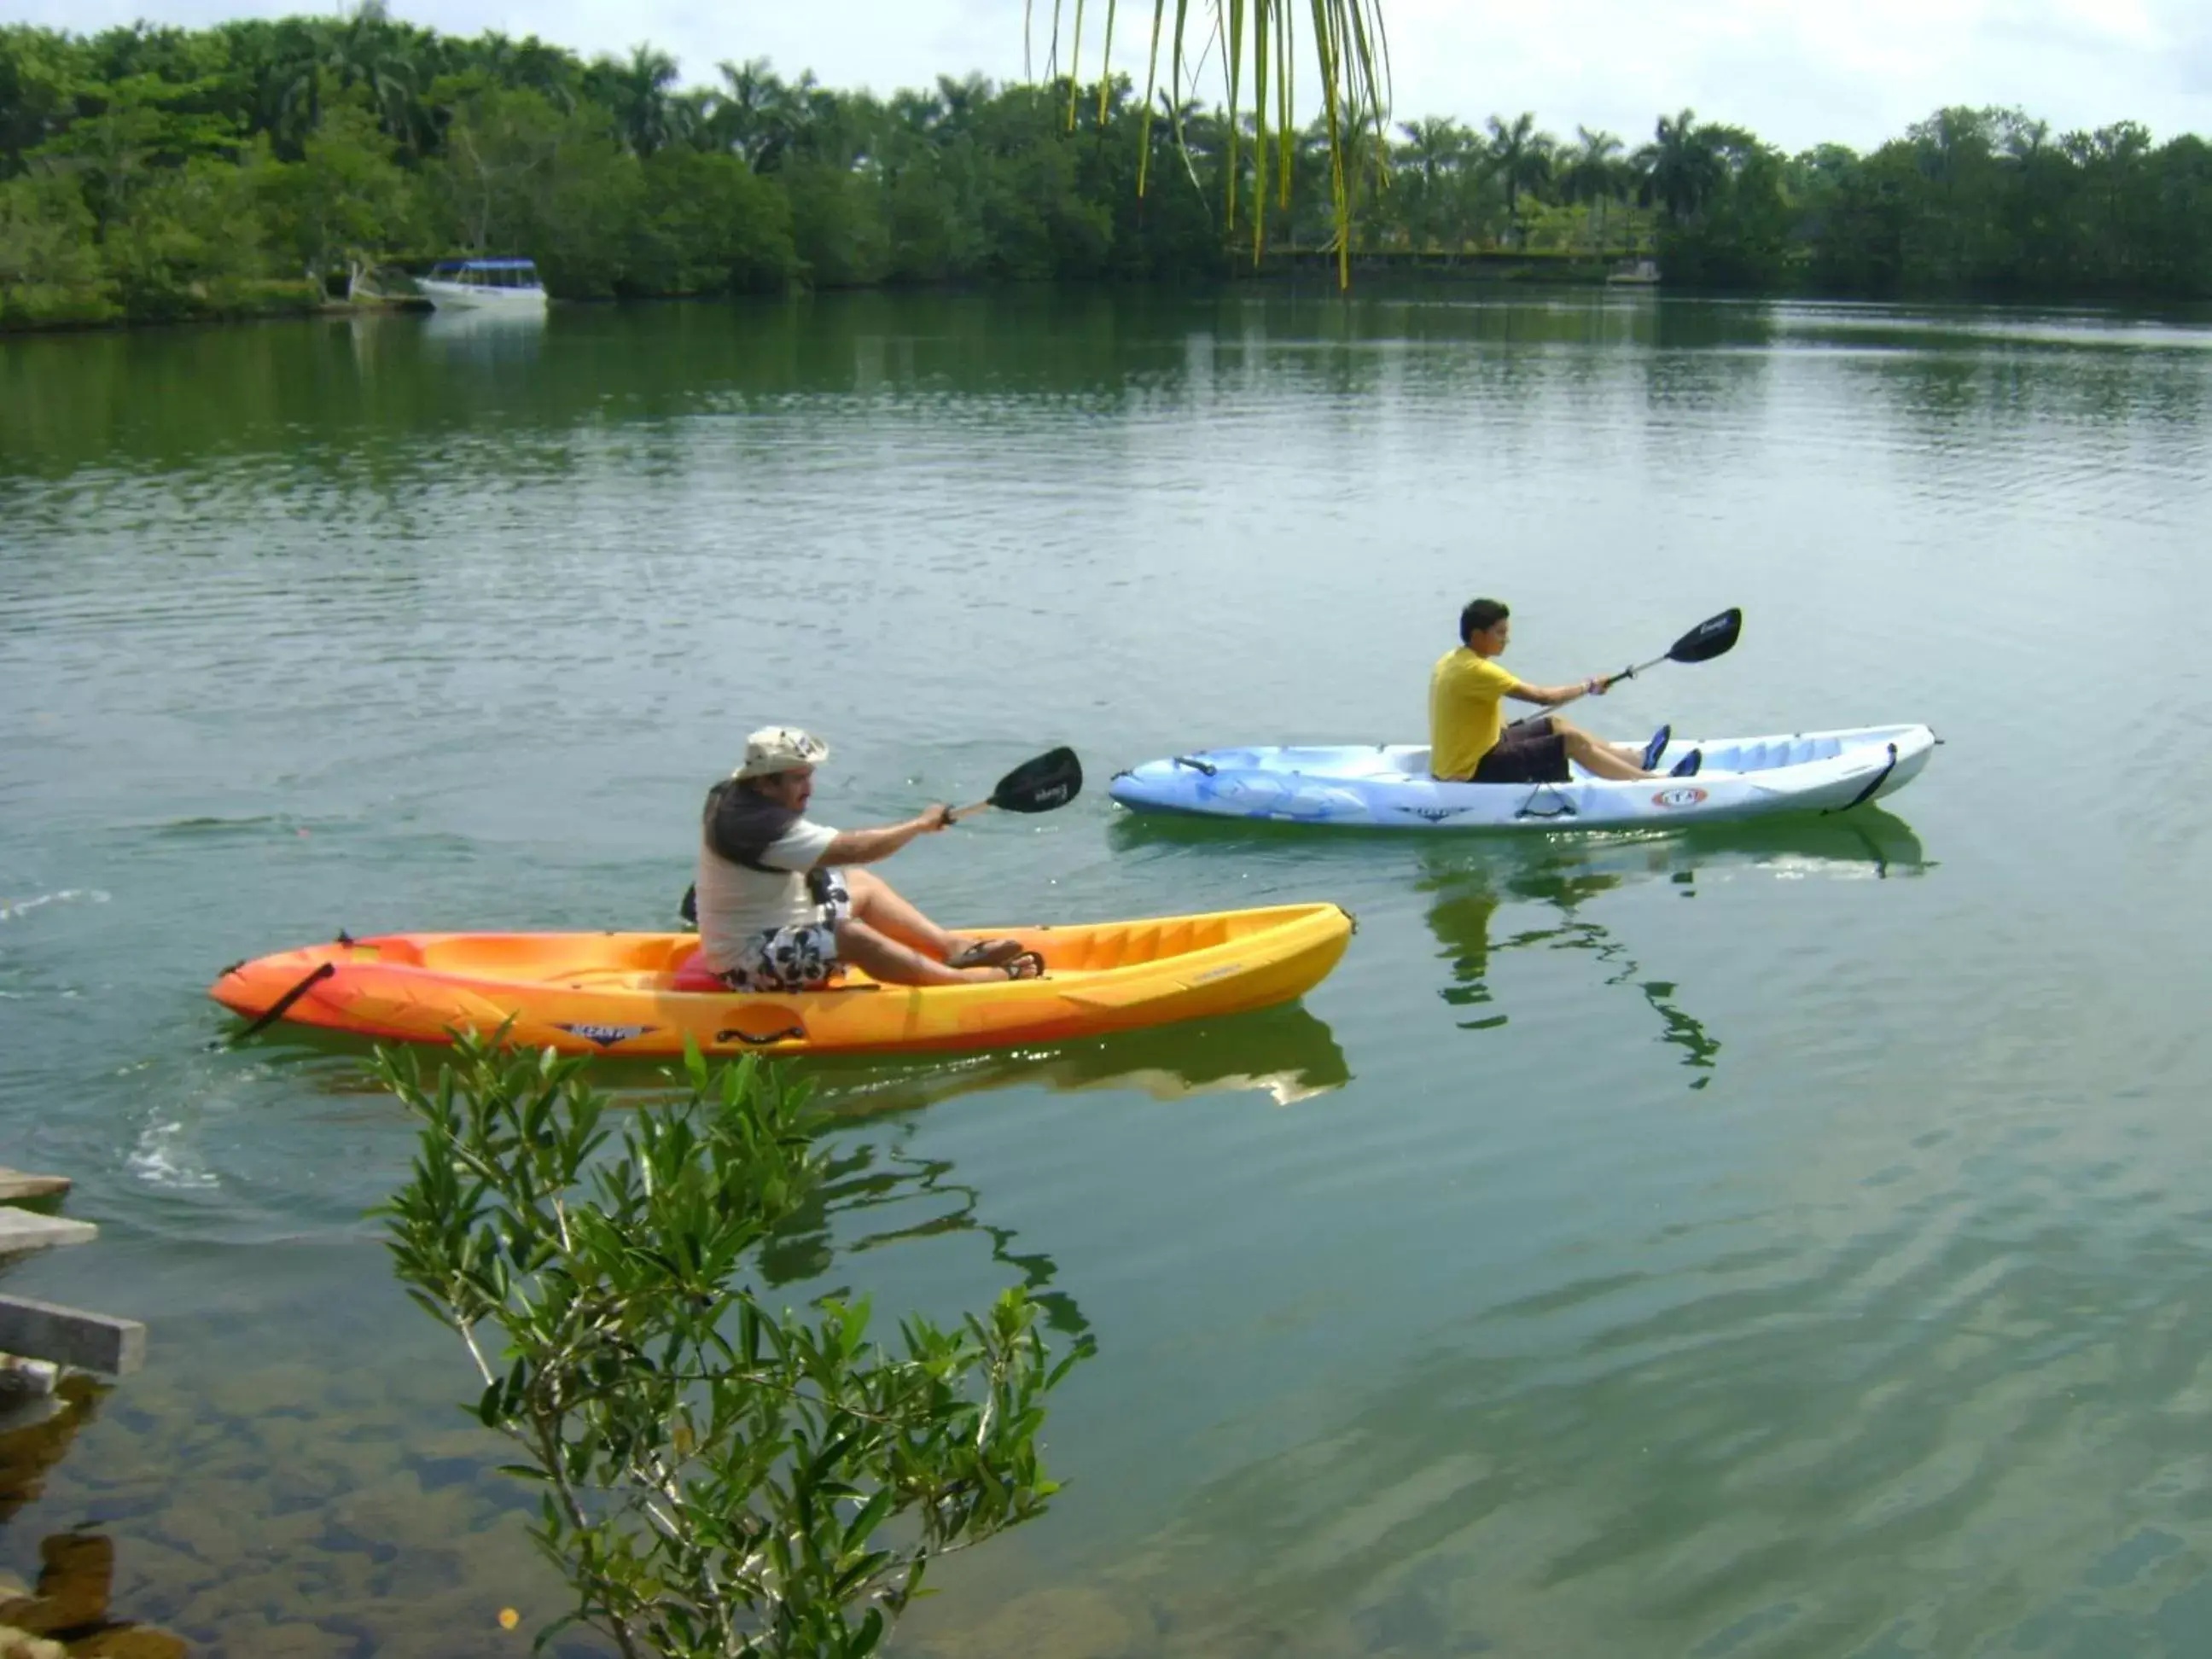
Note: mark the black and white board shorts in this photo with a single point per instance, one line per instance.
(799, 956)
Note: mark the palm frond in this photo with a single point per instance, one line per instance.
(1351, 55)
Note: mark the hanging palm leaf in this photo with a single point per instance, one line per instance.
(1352, 58)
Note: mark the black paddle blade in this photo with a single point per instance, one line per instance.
(1709, 639)
(1038, 785)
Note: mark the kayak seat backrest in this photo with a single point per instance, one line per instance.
(667, 953)
(693, 974)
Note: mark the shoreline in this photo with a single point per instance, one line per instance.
(1387, 274)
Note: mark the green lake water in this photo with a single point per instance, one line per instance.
(1788, 1241)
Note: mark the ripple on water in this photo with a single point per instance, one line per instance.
(1782, 1242)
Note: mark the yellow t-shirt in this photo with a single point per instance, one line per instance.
(1464, 716)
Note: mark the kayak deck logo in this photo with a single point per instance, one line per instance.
(1686, 794)
(605, 1036)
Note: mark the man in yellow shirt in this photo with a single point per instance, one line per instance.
(1469, 741)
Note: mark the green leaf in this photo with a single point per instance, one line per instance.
(637, 1366)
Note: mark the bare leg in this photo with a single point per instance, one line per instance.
(1604, 759)
(888, 962)
(1630, 752)
(875, 904)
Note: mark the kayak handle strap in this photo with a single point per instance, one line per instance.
(1565, 810)
(1868, 793)
(787, 1033)
(1196, 764)
(283, 1006)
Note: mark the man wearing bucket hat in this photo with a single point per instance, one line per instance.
(777, 911)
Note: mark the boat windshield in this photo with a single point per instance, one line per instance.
(487, 273)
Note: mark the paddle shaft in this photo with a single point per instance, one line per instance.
(1607, 680)
(1631, 672)
(1713, 637)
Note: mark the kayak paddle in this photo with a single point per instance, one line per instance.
(1053, 779)
(1710, 638)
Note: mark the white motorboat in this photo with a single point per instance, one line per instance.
(484, 285)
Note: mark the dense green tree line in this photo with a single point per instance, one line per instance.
(148, 173)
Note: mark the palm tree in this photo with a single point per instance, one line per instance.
(963, 100)
(744, 116)
(373, 51)
(638, 93)
(1520, 156)
(1678, 167)
(2025, 140)
(1593, 171)
(527, 64)
(1950, 143)
(1434, 150)
(918, 111)
(768, 120)
(367, 50)
(1434, 146)
(843, 129)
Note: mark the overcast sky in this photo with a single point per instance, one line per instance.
(1852, 71)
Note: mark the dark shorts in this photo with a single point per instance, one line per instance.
(1528, 752)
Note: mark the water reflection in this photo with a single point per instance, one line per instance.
(878, 1193)
(1284, 1053)
(1465, 881)
(878, 1190)
(394, 382)
(1470, 881)
(1870, 842)
(391, 384)
(1470, 889)
(483, 337)
(69, 1603)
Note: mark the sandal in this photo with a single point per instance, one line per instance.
(1028, 965)
(984, 953)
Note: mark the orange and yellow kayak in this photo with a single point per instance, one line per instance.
(615, 993)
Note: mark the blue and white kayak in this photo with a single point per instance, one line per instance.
(1388, 786)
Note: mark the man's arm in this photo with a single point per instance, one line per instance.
(866, 846)
(1551, 696)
